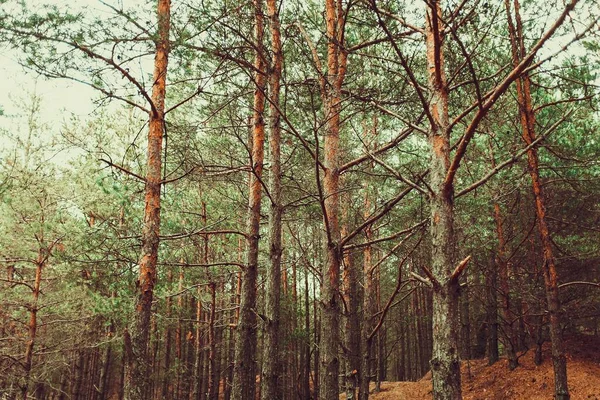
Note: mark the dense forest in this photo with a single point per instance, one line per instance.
(297, 200)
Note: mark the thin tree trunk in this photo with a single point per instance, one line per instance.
(381, 333)
(352, 323)
(235, 317)
(179, 336)
(305, 384)
(213, 382)
(244, 374)
(369, 305)
(79, 367)
(166, 386)
(272, 354)
(188, 388)
(465, 322)
(317, 341)
(104, 387)
(491, 285)
(197, 392)
(32, 328)
(137, 375)
(527, 115)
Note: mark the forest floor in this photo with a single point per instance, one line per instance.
(527, 382)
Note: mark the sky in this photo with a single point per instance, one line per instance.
(61, 98)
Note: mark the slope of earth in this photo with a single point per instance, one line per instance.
(527, 382)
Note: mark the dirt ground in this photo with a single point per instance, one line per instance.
(527, 382)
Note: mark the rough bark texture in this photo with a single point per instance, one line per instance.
(330, 291)
(271, 356)
(137, 376)
(444, 363)
(352, 323)
(527, 118)
(244, 373)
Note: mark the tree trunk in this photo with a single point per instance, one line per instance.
(317, 342)
(305, 384)
(166, 386)
(444, 363)
(369, 305)
(465, 322)
(527, 117)
(32, 328)
(105, 376)
(381, 332)
(213, 383)
(352, 323)
(244, 374)
(272, 354)
(491, 286)
(330, 292)
(179, 337)
(197, 391)
(137, 376)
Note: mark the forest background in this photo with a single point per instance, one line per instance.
(322, 194)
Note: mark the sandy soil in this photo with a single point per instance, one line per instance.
(527, 382)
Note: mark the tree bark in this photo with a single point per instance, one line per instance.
(330, 291)
(444, 363)
(272, 354)
(137, 376)
(32, 327)
(352, 323)
(197, 389)
(244, 374)
(527, 117)
(305, 384)
(213, 383)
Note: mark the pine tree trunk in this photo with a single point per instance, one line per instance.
(330, 291)
(244, 374)
(213, 383)
(352, 323)
(369, 305)
(271, 388)
(527, 117)
(105, 375)
(316, 344)
(197, 391)
(137, 375)
(444, 363)
(166, 380)
(179, 337)
(465, 322)
(32, 327)
(491, 285)
(305, 384)
(381, 333)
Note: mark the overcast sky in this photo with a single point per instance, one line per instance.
(60, 97)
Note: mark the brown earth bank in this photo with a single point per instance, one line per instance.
(527, 382)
